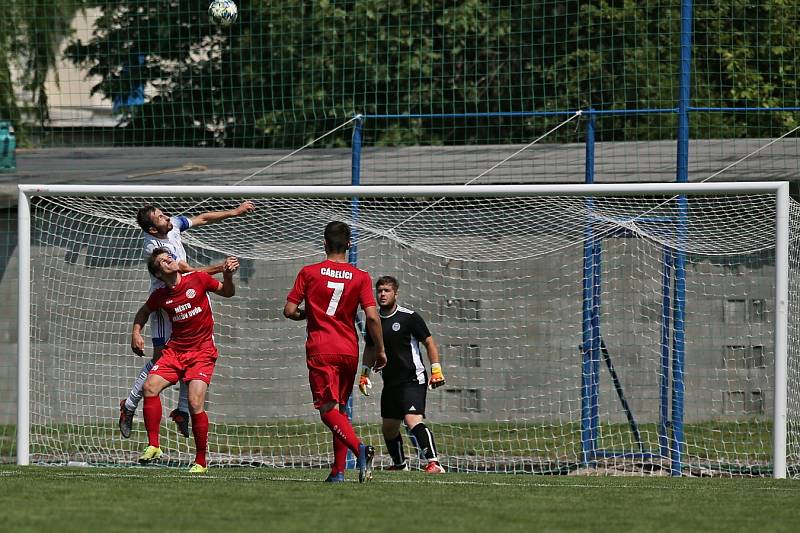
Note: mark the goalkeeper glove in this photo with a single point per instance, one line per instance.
(364, 383)
(437, 378)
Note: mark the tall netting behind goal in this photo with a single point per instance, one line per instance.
(555, 316)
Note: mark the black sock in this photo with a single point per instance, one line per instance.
(395, 447)
(425, 441)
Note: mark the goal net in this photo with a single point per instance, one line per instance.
(618, 329)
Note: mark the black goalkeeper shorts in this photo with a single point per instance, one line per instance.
(400, 400)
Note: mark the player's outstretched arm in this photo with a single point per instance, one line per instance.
(375, 331)
(137, 341)
(210, 269)
(227, 288)
(217, 216)
(437, 377)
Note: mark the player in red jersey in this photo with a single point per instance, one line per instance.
(190, 354)
(332, 291)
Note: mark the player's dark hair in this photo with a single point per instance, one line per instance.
(387, 280)
(144, 217)
(152, 264)
(337, 237)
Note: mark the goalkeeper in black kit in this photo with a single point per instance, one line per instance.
(405, 379)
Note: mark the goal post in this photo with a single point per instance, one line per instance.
(780, 421)
(23, 327)
(474, 260)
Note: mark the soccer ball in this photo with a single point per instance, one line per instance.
(223, 12)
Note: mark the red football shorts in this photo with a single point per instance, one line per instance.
(331, 377)
(186, 366)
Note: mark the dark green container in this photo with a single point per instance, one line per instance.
(8, 147)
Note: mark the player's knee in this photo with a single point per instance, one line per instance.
(391, 435)
(324, 408)
(413, 421)
(390, 428)
(150, 389)
(417, 427)
(196, 406)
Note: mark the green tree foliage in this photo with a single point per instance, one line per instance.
(8, 105)
(289, 71)
(169, 47)
(31, 32)
(746, 55)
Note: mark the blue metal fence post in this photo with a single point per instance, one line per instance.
(678, 351)
(664, 378)
(590, 305)
(596, 339)
(355, 179)
(586, 346)
(682, 176)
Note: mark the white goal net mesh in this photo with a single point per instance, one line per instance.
(502, 283)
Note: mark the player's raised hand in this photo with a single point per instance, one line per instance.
(437, 378)
(230, 265)
(364, 383)
(137, 344)
(245, 207)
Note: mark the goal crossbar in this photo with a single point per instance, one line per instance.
(285, 191)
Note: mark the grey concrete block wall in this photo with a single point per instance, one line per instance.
(509, 335)
(8, 335)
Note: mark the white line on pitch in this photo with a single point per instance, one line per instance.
(186, 476)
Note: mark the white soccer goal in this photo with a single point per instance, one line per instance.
(600, 328)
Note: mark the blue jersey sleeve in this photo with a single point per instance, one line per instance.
(183, 223)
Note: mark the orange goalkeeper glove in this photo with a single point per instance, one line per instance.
(364, 383)
(437, 378)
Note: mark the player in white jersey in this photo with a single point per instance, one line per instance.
(162, 231)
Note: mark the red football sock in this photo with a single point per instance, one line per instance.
(340, 425)
(339, 455)
(152, 418)
(200, 430)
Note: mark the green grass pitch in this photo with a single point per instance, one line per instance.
(260, 499)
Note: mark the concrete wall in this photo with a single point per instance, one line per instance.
(8, 316)
(509, 335)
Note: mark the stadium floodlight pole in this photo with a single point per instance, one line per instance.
(23, 329)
